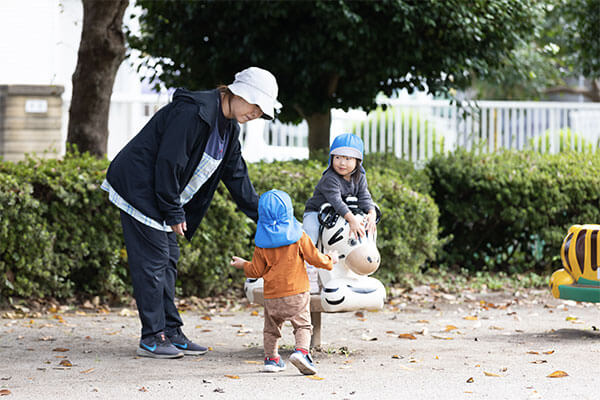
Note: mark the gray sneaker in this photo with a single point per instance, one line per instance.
(158, 346)
(189, 348)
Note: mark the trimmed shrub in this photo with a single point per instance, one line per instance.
(510, 211)
(25, 244)
(87, 254)
(60, 236)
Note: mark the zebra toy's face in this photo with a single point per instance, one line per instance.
(360, 255)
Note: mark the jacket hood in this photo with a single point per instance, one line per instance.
(277, 225)
(207, 101)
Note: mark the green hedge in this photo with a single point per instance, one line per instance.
(61, 237)
(510, 211)
(85, 251)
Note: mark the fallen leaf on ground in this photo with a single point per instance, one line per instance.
(571, 318)
(368, 338)
(471, 317)
(442, 337)
(490, 374)
(538, 362)
(359, 314)
(126, 312)
(390, 332)
(549, 352)
(396, 356)
(61, 349)
(315, 377)
(65, 363)
(470, 380)
(254, 313)
(232, 376)
(207, 318)
(450, 328)
(87, 371)
(252, 362)
(142, 389)
(422, 321)
(5, 392)
(558, 374)
(407, 336)
(532, 352)
(497, 328)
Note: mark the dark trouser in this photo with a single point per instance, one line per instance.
(152, 257)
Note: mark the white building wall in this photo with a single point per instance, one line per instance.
(39, 41)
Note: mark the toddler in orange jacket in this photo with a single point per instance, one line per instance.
(279, 255)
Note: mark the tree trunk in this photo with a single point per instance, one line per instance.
(101, 51)
(318, 133)
(592, 93)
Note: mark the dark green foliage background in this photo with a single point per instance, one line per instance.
(510, 211)
(61, 237)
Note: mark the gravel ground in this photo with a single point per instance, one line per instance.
(425, 345)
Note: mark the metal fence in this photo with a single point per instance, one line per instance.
(414, 130)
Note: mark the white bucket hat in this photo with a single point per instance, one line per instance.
(257, 86)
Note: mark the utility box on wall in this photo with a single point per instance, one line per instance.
(30, 121)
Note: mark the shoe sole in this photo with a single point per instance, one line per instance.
(301, 365)
(272, 368)
(146, 353)
(193, 352)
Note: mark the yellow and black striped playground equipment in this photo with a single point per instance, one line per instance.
(579, 279)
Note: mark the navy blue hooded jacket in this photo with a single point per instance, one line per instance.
(152, 170)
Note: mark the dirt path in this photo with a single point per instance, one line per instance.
(491, 346)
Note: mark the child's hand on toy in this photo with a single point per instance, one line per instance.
(237, 262)
(356, 223)
(371, 226)
(334, 256)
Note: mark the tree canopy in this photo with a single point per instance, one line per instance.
(565, 46)
(332, 54)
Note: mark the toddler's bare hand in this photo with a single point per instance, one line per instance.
(357, 228)
(334, 257)
(237, 262)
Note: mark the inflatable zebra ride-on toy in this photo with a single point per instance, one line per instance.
(347, 287)
(579, 279)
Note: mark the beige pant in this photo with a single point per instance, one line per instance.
(296, 309)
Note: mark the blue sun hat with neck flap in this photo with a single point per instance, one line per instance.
(348, 145)
(276, 225)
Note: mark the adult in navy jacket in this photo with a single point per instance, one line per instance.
(163, 181)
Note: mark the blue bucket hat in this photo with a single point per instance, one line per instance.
(277, 225)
